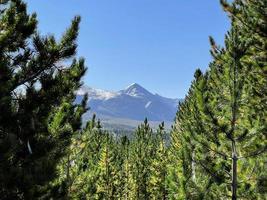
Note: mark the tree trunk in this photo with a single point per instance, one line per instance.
(234, 171)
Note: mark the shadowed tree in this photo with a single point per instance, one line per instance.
(37, 113)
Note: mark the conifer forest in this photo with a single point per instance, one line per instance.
(216, 149)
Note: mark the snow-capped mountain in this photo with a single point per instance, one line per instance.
(133, 103)
(95, 93)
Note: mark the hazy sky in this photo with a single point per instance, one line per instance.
(156, 43)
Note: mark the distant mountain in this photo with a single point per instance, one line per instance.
(132, 104)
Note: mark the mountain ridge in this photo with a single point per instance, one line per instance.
(134, 103)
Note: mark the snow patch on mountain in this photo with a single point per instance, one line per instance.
(96, 93)
(148, 104)
(134, 102)
(135, 90)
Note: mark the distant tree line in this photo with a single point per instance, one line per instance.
(218, 142)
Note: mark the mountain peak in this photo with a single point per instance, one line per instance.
(134, 103)
(135, 85)
(136, 90)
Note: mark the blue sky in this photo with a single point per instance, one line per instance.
(156, 43)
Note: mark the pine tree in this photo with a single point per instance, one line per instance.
(158, 167)
(222, 123)
(186, 182)
(104, 190)
(85, 156)
(38, 117)
(109, 181)
(141, 154)
(124, 165)
(250, 18)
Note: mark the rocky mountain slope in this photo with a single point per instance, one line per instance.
(134, 104)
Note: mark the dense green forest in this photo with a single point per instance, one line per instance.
(217, 148)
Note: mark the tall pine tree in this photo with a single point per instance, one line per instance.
(223, 120)
(37, 114)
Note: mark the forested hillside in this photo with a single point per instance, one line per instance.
(218, 140)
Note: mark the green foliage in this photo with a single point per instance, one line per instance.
(101, 166)
(38, 117)
(218, 142)
(220, 128)
(158, 168)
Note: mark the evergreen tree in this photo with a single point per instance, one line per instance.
(186, 182)
(38, 117)
(141, 154)
(85, 156)
(124, 164)
(250, 18)
(158, 167)
(109, 167)
(221, 124)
